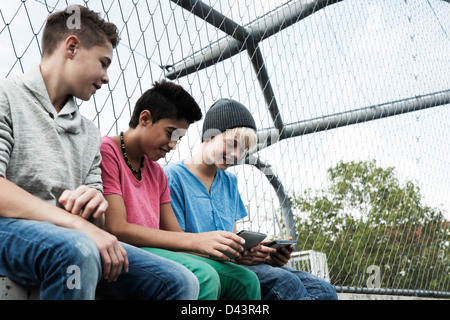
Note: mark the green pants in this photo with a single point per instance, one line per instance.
(224, 280)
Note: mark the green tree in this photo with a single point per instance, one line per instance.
(366, 217)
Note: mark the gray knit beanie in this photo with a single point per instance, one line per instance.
(226, 114)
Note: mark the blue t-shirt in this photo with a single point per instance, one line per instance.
(196, 209)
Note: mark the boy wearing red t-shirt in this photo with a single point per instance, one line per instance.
(136, 189)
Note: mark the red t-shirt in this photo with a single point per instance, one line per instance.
(142, 198)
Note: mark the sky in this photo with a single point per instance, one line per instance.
(350, 55)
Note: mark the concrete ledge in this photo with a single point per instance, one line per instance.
(9, 290)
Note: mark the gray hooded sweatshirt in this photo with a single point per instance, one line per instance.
(42, 151)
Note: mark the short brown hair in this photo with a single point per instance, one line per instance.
(91, 29)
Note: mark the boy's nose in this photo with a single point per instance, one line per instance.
(172, 144)
(105, 79)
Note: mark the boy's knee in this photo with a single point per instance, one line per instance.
(249, 285)
(87, 253)
(188, 286)
(75, 262)
(329, 293)
(209, 282)
(253, 286)
(78, 253)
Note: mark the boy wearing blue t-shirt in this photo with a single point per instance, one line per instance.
(205, 197)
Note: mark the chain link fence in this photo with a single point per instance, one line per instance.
(351, 99)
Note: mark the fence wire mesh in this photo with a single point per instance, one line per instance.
(351, 99)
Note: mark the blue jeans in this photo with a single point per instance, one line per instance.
(66, 264)
(283, 283)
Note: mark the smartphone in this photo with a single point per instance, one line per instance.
(278, 244)
(251, 238)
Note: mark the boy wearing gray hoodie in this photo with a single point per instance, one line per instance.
(51, 202)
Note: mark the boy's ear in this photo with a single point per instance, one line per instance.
(72, 43)
(145, 118)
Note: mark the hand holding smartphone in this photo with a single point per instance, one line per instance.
(251, 238)
(278, 244)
